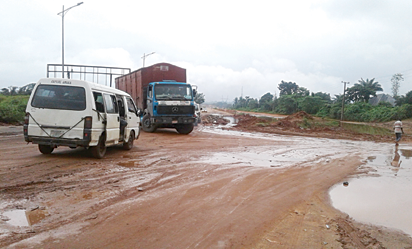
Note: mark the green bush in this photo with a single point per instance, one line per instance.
(364, 112)
(12, 108)
(402, 112)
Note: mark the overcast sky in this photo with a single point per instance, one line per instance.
(229, 48)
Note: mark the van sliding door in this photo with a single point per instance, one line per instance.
(113, 121)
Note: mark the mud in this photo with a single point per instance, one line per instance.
(214, 188)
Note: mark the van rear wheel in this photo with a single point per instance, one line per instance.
(99, 150)
(45, 149)
(129, 144)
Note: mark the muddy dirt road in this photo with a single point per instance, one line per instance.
(208, 189)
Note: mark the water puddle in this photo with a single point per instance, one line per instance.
(270, 156)
(16, 218)
(24, 218)
(384, 198)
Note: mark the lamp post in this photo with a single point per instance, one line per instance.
(343, 100)
(144, 57)
(62, 14)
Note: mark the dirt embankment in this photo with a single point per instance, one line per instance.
(304, 124)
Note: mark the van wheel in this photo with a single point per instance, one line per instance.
(45, 149)
(147, 125)
(129, 144)
(99, 150)
(184, 129)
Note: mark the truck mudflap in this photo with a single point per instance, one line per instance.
(173, 120)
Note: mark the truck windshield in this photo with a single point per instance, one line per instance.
(172, 92)
(59, 97)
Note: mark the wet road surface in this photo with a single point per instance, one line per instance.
(212, 189)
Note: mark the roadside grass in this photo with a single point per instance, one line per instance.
(13, 108)
(362, 128)
(367, 129)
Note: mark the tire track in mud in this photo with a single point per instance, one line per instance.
(92, 186)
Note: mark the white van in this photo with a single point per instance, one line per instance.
(73, 113)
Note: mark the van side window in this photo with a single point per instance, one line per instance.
(131, 106)
(111, 103)
(98, 100)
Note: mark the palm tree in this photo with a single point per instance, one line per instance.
(363, 90)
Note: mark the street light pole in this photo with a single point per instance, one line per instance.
(144, 57)
(343, 99)
(64, 11)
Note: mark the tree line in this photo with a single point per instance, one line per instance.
(14, 90)
(293, 98)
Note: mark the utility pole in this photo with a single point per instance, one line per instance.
(343, 100)
(64, 11)
(144, 57)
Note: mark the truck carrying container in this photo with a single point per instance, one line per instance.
(163, 95)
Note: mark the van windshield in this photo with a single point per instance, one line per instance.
(173, 92)
(59, 97)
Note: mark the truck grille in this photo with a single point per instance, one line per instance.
(175, 109)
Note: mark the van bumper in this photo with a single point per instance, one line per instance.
(55, 142)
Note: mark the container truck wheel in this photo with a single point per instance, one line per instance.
(45, 149)
(147, 125)
(99, 150)
(129, 144)
(184, 129)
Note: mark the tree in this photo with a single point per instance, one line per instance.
(253, 104)
(287, 104)
(324, 96)
(27, 89)
(404, 99)
(287, 88)
(302, 92)
(311, 104)
(11, 90)
(363, 90)
(200, 98)
(396, 79)
(265, 101)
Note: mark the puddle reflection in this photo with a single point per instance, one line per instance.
(24, 218)
(16, 217)
(384, 200)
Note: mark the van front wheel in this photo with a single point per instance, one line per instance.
(45, 149)
(99, 150)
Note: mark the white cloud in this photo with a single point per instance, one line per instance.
(226, 46)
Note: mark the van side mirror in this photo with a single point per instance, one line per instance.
(138, 112)
(194, 92)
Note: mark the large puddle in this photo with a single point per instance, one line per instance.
(384, 198)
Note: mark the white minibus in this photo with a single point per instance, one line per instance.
(77, 113)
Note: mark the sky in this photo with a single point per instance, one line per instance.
(229, 48)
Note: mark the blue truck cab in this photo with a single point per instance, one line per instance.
(169, 104)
